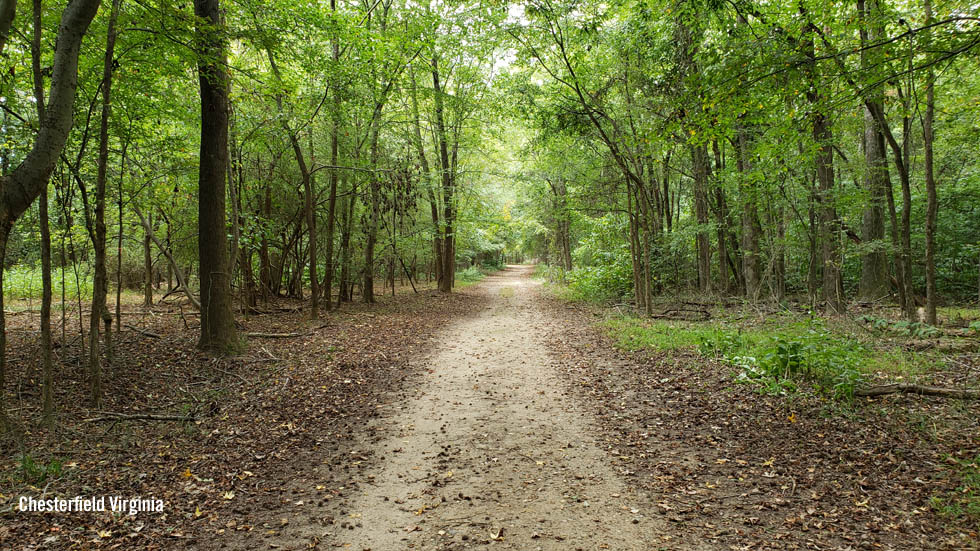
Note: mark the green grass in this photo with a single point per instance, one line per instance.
(776, 352)
(638, 334)
(24, 283)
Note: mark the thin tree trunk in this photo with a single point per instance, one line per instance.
(751, 227)
(429, 188)
(371, 237)
(699, 158)
(827, 215)
(119, 246)
(265, 263)
(47, 367)
(932, 206)
(100, 313)
(147, 270)
(347, 211)
(332, 198)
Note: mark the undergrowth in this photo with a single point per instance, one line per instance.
(473, 274)
(23, 282)
(774, 356)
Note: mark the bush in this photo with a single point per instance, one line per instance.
(776, 363)
(470, 275)
(607, 282)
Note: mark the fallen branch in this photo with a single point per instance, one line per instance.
(143, 332)
(181, 278)
(683, 314)
(277, 335)
(923, 390)
(139, 417)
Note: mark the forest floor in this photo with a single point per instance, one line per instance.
(498, 417)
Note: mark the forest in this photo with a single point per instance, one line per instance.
(233, 231)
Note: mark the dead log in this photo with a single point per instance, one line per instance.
(947, 345)
(922, 390)
(139, 417)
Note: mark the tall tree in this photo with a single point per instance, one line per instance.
(218, 331)
(874, 283)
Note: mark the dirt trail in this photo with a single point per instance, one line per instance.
(489, 451)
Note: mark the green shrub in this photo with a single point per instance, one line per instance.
(33, 472)
(912, 329)
(830, 361)
(609, 281)
(470, 275)
(776, 363)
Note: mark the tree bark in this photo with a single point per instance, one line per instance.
(371, 232)
(699, 159)
(448, 260)
(345, 291)
(874, 283)
(932, 205)
(751, 226)
(100, 284)
(47, 366)
(218, 331)
(332, 198)
(827, 213)
(429, 187)
(147, 270)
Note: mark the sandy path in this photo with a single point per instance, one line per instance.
(490, 452)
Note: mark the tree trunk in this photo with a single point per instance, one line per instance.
(827, 213)
(119, 246)
(47, 387)
(932, 206)
(751, 226)
(429, 187)
(699, 158)
(448, 260)
(218, 331)
(874, 283)
(371, 237)
(100, 284)
(347, 213)
(47, 367)
(147, 270)
(265, 263)
(332, 197)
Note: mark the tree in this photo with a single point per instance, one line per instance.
(218, 331)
